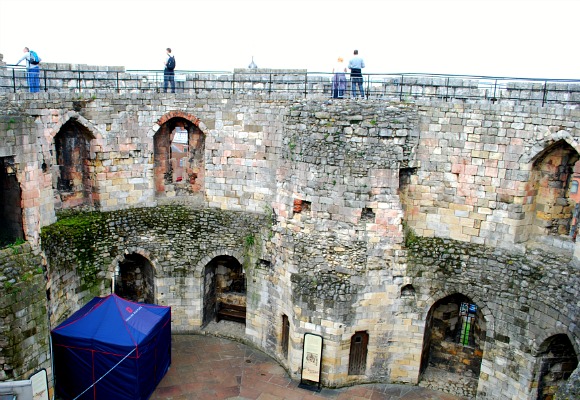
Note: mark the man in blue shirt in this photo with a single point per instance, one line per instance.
(32, 71)
(356, 64)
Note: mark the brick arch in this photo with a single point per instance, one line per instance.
(177, 114)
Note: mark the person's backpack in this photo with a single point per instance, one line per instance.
(171, 63)
(34, 60)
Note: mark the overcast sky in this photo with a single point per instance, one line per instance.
(517, 38)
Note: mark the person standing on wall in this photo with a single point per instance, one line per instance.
(32, 69)
(339, 79)
(356, 64)
(168, 73)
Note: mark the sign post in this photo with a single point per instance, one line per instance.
(311, 362)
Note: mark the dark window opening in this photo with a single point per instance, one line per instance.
(11, 222)
(73, 180)
(406, 177)
(134, 279)
(408, 291)
(367, 215)
(301, 206)
(285, 335)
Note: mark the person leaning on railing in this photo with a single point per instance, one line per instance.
(32, 71)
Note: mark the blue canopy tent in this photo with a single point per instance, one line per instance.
(112, 348)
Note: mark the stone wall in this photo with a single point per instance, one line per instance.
(349, 216)
(475, 180)
(24, 329)
(84, 249)
(520, 295)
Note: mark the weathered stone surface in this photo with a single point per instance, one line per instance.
(351, 216)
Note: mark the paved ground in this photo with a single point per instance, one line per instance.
(207, 367)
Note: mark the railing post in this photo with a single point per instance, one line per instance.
(306, 85)
(401, 89)
(118, 89)
(14, 79)
(79, 80)
(270, 84)
(545, 95)
(494, 98)
(368, 85)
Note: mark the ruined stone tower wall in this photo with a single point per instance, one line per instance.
(362, 215)
(475, 179)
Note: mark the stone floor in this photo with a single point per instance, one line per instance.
(210, 367)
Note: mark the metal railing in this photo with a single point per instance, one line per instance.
(298, 83)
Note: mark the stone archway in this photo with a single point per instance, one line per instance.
(134, 279)
(72, 180)
(557, 360)
(453, 344)
(549, 202)
(179, 163)
(224, 290)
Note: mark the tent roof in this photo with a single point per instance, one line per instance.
(112, 320)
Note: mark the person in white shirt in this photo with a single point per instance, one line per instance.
(356, 65)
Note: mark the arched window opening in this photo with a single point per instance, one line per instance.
(408, 292)
(453, 342)
(74, 183)
(557, 361)
(357, 361)
(285, 335)
(134, 279)
(179, 158)
(11, 229)
(224, 290)
(554, 191)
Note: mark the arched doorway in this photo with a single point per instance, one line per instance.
(179, 158)
(224, 293)
(557, 361)
(453, 343)
(73, 183)
(134, 279)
